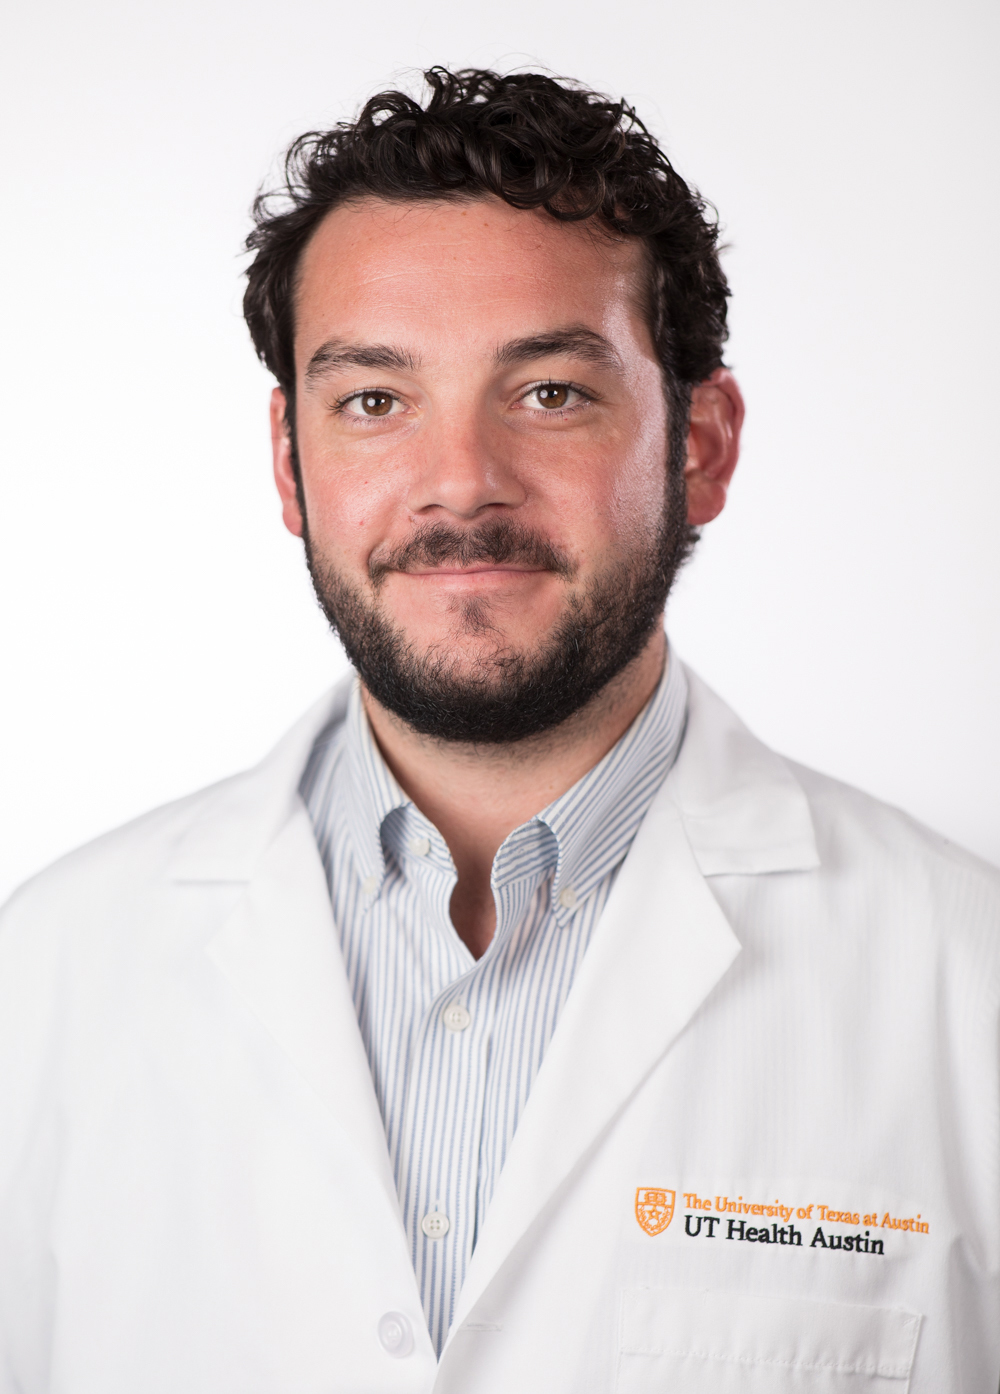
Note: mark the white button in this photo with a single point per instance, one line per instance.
(435, 1225)
(456, 1017)
(420, 846)
(567, 898)
(395, 1335)
(368, 885)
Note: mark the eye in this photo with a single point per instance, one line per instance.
(552, 396)
(375, 402)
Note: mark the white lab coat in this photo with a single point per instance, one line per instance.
(791, 1002)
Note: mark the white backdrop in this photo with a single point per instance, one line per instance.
(158, 630)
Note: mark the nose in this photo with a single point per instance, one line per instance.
(464, 468)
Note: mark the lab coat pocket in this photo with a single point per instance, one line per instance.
(672, 1339)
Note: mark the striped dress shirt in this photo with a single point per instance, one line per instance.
(455, 1043)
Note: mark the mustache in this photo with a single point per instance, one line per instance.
(499, 540)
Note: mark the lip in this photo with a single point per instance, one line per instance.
(491, 569)
(481, 580)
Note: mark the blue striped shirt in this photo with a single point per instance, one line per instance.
(455, 1043)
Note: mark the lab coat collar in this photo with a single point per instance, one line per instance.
(742, 808)
(744, 812)
(242, 815)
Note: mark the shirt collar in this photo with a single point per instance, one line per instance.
(592, 825)
(373, 793)
(580, 836)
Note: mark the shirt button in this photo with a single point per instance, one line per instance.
(368, 885)
(395, 1335)
(420, 846)
(435, 1225)
(456, 1017)
(567, 898)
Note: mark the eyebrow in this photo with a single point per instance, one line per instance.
(584, 343)
(336, 354)
(576, 340)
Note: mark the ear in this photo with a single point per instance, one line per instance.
(284, 473)
(713, 444)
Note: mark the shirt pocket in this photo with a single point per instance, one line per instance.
(672, 1339)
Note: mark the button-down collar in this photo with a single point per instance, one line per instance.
(576, 840)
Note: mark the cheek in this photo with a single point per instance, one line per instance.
(345, 504)
(639, 495)
(634, 488)
(623, 498)
(349, 504)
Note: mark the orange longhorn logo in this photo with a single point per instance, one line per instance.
(654, 1208)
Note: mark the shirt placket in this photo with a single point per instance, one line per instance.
(443, 1092)
(445, 1118)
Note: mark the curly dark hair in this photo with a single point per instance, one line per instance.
(535, 143)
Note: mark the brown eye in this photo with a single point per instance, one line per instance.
(375, 403)
(553, 395)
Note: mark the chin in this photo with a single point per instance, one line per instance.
(476, 635)
(467, 657)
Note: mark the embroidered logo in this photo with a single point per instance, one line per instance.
(766, 1221)
(654, 1208)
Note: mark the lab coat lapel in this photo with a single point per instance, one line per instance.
(660, 947)
(729, 806)
(278, 949)
(278, 946)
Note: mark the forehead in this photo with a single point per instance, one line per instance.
(476, 269)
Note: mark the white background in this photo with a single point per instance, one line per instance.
(158, 630)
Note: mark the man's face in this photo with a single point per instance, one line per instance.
(482, 431)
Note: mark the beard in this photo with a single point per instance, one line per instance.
(512, 694)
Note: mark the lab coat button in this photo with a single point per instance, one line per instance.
(395, 1335)
(456, 1017)
(435, 1225)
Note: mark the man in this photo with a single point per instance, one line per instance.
(521, 1022)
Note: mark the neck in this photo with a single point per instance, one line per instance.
(476, 795)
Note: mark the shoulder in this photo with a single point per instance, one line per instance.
(137, 851)
(899, 901)
(222, 827)
(853, 826)
(750, 811)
